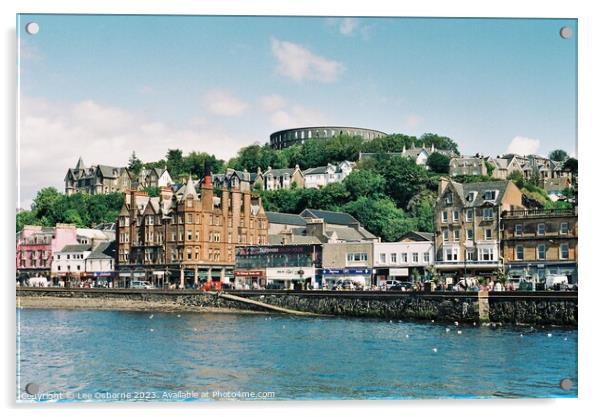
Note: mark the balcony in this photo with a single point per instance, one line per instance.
(538, 213)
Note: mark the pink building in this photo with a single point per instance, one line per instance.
(37, 244)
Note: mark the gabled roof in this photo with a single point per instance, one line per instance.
(417, 237)
(280, 171)
(479, 189)
(285, 218)
(76, 248)
(105, 250)
(332, 217)
(109, 171)
(80, 164)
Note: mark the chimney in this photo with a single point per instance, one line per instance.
(432, 147)
(166, 193)
(443, 181)
(207, 179)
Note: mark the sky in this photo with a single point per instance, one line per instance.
(101, 87)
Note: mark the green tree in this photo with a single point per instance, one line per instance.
(421, 208)
(26, 218)
(46, 206)
(404, 179)
(175, 163)
(558, 155)
(518, 178)
(135, 164)
(72, 216)
(364, 183)
(381, 217)
(438, 163)
(440, 142)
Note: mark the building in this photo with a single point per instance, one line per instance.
(187, 237)
(467, 226)
(406, 260)
(337, 226)
(418, 154)
(320, 176)
(36, 245)
(69, 263)
(291, 266)
(245, 180)
(100, 263)
(97, 179)
(351, 261)
(289, 137)
(467, 165)
(537, 243)
(529, 166)
(153, 177)
(283, 178)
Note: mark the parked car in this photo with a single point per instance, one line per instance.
(402, 286)
(347, 284)
(390, 283)
(557, 282)
(143, 285)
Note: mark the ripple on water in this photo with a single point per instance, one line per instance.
(297, 358)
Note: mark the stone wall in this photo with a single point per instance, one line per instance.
(518, 308)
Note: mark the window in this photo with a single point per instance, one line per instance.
(444, 216)
(445, 235)
(488, 234)
(357, 257)
(393, 258)
(489, 195)
(383, 258)
(564, 251)
(564, 228)
(456, 235)
(404, 258)
(469, 234)
(189, 218)
(449, 198)
(518, 230)
(451, 254)
(469, 254)
(519, 253)
(456, 216)
(189, 235)
(189, 203)
(487, 213)
(541, 251)
(486, 254)
(541, 229)
(469, 215)
(415, 257)
(426, 257)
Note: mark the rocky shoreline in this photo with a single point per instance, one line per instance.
(121, 304)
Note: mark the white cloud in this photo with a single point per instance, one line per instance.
(223, 103)
(523, 146)
(296, 116)
(272, 102)
(348, 25)
(299, 63)
(54, 134)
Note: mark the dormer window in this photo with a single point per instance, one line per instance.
(471, 196)
(489, 195)
(449, 198)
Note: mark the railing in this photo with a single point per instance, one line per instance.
(538, 213)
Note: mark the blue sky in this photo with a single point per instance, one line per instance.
(102, 86)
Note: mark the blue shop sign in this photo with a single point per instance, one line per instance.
(345, 271)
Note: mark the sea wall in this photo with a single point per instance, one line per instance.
(516, 307)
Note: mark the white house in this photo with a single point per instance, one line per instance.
(320, 176)
(101, 261)
(403, 260)
(70, 261)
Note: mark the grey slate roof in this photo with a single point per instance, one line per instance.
(105, 250)
(285, 218)
(418, 236)
(76, 248)
(479, 188)
(109, 172)
(280, 172)
(332, 217)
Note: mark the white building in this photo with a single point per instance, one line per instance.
(404, 260)
(100, 263)
(70, 261)
(320, 176)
